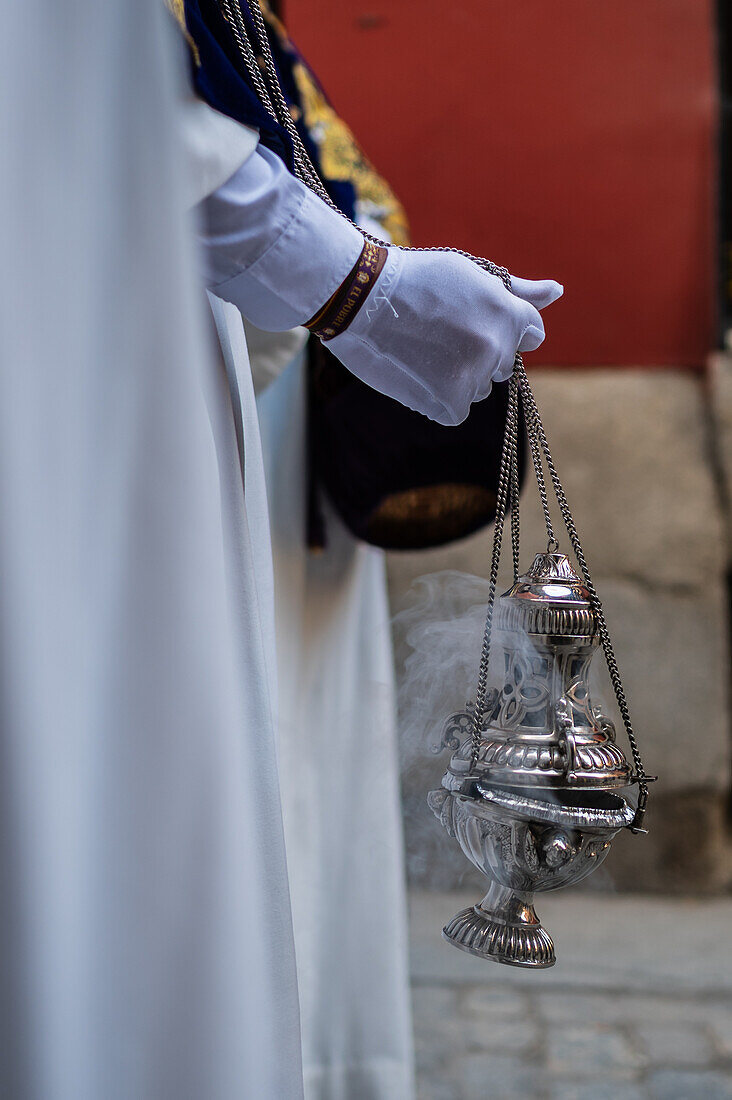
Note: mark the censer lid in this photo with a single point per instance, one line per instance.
(550, 598)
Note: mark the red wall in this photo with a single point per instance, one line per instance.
(563, 138)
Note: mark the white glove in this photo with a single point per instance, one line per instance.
(434, 333)
(437, 330)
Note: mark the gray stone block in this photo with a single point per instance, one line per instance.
(633, 1011)
(665, 1045)
(437, 1027)
(631, 448)
(688, 1085)
(597, 1090)
(673, 653)
(720, 1028)
(501, 1036)
(486, 1003)
(686, 851)
(720, 375)
(436, 1086)
(591, 1051)
(447, 1029)
(496, 1077)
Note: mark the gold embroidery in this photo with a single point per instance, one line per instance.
(177, 9)
(429, 515)
(276, 24)
(342, 159)
(342, 307)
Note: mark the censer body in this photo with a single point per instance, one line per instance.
(530, 792)
(531, 799)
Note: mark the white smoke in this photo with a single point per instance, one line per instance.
(438, 635)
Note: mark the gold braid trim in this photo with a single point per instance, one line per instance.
(178, 11)
(341, 158)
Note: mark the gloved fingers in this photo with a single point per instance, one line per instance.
(504, 370)
(531, 338)
(539, 292)
(484, 391)
(532, 328)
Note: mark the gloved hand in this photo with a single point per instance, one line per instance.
(437, 330)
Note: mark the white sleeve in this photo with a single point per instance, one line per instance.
(435, 332)
(272, 247)
(214, 146)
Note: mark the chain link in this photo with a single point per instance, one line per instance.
(532, 415)
(514, 501)
(552, 543)
(262, 71)
(504, 489)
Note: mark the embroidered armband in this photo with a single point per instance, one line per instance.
(340, 309)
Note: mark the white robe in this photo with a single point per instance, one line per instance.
(145, 936)
(340, 784)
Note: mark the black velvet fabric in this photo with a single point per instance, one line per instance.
(398, 480)
(221, 79)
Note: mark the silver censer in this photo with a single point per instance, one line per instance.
(530, 792)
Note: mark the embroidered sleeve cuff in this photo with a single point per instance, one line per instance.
(344, 306)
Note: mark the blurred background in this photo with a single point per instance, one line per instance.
(588, 143)
(591, 143)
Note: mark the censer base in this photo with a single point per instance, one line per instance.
(503, 928)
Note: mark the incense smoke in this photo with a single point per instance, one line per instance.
(437, 635)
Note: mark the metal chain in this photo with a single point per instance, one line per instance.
(303, 165)
(302, 157)
(514, 498)
(234, 18)
(552, 544)
(539, 443)
(504, 488)
(532, 415)
(273, 99)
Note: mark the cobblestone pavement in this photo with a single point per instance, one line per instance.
(638, 1007)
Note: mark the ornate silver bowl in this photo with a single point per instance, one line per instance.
(524, 841)
(530, 794)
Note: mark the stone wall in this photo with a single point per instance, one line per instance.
(644, 457)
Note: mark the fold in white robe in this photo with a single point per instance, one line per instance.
(340, 782)
(145, 936)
